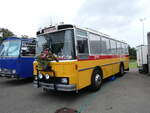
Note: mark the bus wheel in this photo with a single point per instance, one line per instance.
(96, 80)
(121, 72)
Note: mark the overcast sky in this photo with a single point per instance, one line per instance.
(118, 18)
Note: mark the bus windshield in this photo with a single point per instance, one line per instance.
(60, 43)
(10, 48)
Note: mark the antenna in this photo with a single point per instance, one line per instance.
(51, 22)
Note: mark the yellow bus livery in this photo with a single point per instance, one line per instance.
(85, 58)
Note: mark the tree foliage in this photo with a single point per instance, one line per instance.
(5, 33)
(132, 52)
(24, 36)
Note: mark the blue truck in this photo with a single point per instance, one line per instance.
(16, 57)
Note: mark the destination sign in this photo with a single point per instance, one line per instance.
(49, 29)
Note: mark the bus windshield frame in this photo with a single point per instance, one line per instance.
(60, 43)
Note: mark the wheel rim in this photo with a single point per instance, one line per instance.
(98, 79)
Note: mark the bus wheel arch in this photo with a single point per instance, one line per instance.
(96, 79)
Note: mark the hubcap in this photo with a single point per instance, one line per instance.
(98, 80)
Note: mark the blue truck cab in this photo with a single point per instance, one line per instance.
(16, 57)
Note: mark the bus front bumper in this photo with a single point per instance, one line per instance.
(59, 87)
(8, 75)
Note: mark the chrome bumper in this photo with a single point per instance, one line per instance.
(59, 87)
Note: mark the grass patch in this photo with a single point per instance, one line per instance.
(133, 64)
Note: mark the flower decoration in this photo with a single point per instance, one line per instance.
(44, 59)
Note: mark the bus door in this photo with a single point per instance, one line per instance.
(83, 61)
(26, 59)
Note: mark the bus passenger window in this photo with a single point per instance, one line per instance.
(82, 46)
(28, 49)
(105, 46)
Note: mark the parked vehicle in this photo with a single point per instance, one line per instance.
(83, 57)
(142, 58)
(16, 57)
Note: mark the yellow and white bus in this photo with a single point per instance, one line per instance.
(86, 57)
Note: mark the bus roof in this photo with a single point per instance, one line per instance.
(67, 26)
(18, 38)
(12, 38)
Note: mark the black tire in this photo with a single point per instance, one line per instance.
(121, 72)
(96, 80)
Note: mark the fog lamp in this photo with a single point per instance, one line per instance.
(64, 80)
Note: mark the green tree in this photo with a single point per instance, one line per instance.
(5, 33)
(24, 36)
(132, 52)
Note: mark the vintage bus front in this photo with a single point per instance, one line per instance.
(14, 62)
(61, 75)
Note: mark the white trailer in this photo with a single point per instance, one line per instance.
(148, 42)
(142, 58)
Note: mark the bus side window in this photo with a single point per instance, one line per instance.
(126, 49)
(123, 48)
(105, 46)
(95, 44)
(28, 49)
(119, 48)
(113, 46)
(82, 46)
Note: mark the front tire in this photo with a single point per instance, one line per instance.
(96, 80)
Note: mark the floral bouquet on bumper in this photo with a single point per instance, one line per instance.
(44, 59)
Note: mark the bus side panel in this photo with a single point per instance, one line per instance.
(26, 67)
(85, 70)
(115, 66)
(126, 62)
(107, 67)
(107, 71)
(8, 63)
(126, 65)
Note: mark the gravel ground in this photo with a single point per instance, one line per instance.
(127, 94)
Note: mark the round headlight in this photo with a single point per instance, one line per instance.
(64, 80)
(40, 76)
(47, 76)
(13, 71)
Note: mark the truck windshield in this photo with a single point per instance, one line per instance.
(10, 48)
(60, 43)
